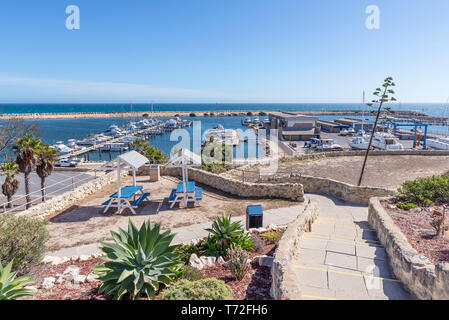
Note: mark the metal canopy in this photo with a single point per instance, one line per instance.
(134, 159)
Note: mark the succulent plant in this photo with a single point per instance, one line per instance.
(139, 261)
(11, 287)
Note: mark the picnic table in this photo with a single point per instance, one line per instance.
(192, 194)
(126, 193)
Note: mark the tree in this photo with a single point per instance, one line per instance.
(139, 144)
(44, 164)
(11, 184)
(383, 96)
(14, 128)
(26, 160)
(152, 153)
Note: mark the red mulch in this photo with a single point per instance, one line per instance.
(419, 232)
(255, 285)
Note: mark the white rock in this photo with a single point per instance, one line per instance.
(48, 259)
(70, 273)
(48, 283)
(84, 257)
(220, 260)
(208, 261)
(91, 277)
(195, 262)
(61, 279)
(74, 258)
(78, 278)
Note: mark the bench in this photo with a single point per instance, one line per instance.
(172, 196)
(106, 202)
(198, 193)
(140, 199)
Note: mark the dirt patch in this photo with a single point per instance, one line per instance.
(416, 226)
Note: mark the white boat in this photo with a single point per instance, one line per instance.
(439, 144)
(386, 141)
(247, 121)
(351, 131)
(359, 143)
(114, 147)
(228, 136)
(62, 149)
(256, 120)
(343, 132)
(328, 145)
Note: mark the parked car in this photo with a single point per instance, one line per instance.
(66, 163)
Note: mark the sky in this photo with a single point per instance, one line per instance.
(300, 51)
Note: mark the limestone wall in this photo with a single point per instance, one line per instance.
(347, 192)
(424, 279)
(63, 201)
(285, 284)
(292, 191)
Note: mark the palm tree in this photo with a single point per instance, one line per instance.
(26, 160)
(11, 184)
(44, 165)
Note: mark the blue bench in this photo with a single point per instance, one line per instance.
(106, 202)
(172, 196)
(198, 193)
(140, 199)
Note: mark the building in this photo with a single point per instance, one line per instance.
(293, 126)
(356, 124)
(331, 126)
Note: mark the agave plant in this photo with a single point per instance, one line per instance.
(11, 287)
(139, 261)
(225, 234)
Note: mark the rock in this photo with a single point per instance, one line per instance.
(208, 261)
(195, 262)
(61, 279)
(91, 277)
(266, 261)
(78, 278)
(70, 273)
(84, 257)
(272, 227)
(220, 260)
(48, 259)
(48, 283)
(74, 258)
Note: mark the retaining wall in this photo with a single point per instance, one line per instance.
(285, 284)
(424, 279)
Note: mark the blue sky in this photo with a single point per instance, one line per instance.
(222, 51)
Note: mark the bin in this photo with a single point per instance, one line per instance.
(254, 216)
(154, 173)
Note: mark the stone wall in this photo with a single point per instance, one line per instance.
(292, 191)
(424, 279)
(285, 284)
(347, 192)
(63, 201)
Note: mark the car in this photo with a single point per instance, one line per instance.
(65, 163)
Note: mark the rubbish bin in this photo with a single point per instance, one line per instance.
(254, 216)
(154, 173)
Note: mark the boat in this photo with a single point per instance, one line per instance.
(328, 145)
(439, 144)
(228, 136)
(117, 147)
(343, 132)
(359, 143)
(62, 149)
(386, 141)
(256, 120)
(247, 121)
(351, 131)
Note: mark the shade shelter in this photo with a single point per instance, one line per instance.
(121, 199)
(185, 190)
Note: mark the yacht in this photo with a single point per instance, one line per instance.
(351, 131)
(256, 120)
(247, 121)
(328, 145)
(439, 144)
(228, 136)
(359, 143)
(118, 147)
(61, 149)
(386, 141)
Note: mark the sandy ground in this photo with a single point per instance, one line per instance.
(85, 223)
(381, 171)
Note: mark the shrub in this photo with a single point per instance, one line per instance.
(22, 239)
(258, 244)
(225, 234)
(406, 206)
(262, 113)
(249, 113)
(272, 236)
(206, 289)
(238, 262)
(190, 273)
(11, 287)
(192, 114)
(426, 191)
(139, 261)
(145, 115)
(186, 250)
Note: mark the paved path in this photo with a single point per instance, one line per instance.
(279, 216)
(342, 258)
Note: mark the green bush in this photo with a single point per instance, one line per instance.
(139, 261)
(190, 273)
(406, 206)
(272, 236)
(206, 289)
(11, 287)
(426, 191)
(238, 262)
(225, 234)
(249, 113)
(22, 239)
(145, 115)
(186, 250)
(192, 114)
(262, 113)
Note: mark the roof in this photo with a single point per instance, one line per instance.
(133, 159)
(298, 132)
(292, 116)
(184, 157)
